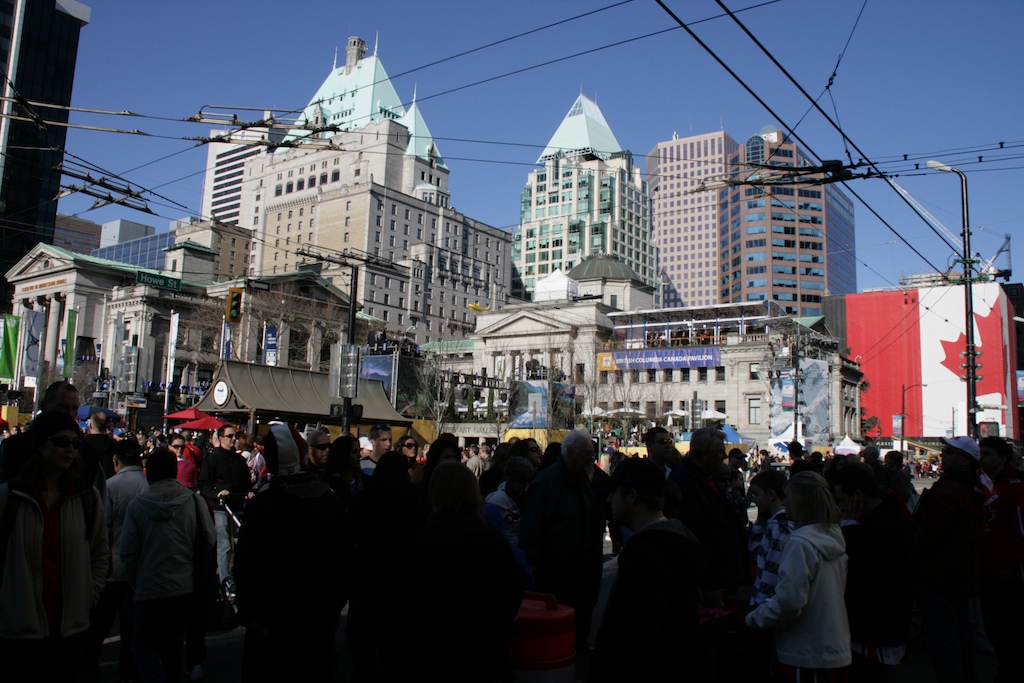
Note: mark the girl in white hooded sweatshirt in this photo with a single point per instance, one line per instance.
(808, 612)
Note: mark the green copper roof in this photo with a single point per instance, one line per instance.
(449, 346)
(118, 265)
(421, 142)
(352, 100)
(583, 132)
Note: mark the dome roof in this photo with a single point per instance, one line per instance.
(603, 266)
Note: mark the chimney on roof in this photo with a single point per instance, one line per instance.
(354, 52)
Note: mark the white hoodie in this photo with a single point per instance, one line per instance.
(808, 611)
(157, 539)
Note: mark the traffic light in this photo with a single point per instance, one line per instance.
(233, 313)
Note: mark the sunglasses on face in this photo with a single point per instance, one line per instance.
(321, 446)
(227, 436)
(64, 442)
(175, 447)
(409, 445)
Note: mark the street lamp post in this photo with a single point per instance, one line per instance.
(903, 415)
(970, 354)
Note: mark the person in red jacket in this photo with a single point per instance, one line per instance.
(1002, 557)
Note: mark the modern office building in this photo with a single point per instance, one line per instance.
(740, 242)
(586, 198)
(375, 187)
(686, 222)
(76, 234)
(38, 51)
(144, 252)
(121, 230)
(222, 195)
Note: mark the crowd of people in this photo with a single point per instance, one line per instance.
(427, 542)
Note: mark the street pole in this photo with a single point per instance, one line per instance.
(970, 353)
(346, 419)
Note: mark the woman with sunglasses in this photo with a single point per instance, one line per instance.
(53, 547)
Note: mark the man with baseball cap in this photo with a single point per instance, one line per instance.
(650, 625)
(945, 544)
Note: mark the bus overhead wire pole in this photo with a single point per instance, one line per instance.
(352, 260)
(970, 353)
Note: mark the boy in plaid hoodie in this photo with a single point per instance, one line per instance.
(769, 533)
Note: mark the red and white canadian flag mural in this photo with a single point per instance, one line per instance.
(914, 337)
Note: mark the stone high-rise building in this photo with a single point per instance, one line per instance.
(587, 198)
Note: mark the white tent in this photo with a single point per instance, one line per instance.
(556, 287)
(847, 447)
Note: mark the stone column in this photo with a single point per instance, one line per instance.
(54, 317)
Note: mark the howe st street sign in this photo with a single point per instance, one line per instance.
(158, 281)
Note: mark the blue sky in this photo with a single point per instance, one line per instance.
(929, 79)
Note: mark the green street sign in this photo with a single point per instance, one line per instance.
(158, 281)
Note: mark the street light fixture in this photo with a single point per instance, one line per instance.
(903, 415)
(970, 354)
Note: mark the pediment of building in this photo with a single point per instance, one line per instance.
(524, 324)
(41, 261)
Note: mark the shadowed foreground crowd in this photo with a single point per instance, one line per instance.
(427, 547)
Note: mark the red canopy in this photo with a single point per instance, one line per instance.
(187, 414)
(203, 424)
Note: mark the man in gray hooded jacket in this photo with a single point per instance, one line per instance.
(158, 543)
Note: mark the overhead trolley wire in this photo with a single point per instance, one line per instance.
(781, 120)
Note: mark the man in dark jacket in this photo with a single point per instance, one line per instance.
(706, 512)
(1002, 558)
(878, 581)
(293, 565)
(946, 543)
(650, 623)
(557, 532)
(225, 476)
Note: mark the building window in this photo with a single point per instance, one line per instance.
(754, 410)
(720, 374)
(702, 374)
(755, 371)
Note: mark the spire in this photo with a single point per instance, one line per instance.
(414, 94)
(376, 40)
(583, 132)
(335, 58)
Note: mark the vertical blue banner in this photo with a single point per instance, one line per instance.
(270, 345)
(225, 344)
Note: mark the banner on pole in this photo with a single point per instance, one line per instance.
(9, 347)
(32, 348)
(70, 345)
(225, 341)
(270, 345)
(172, 349)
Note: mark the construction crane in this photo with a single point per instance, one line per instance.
(987, 270)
